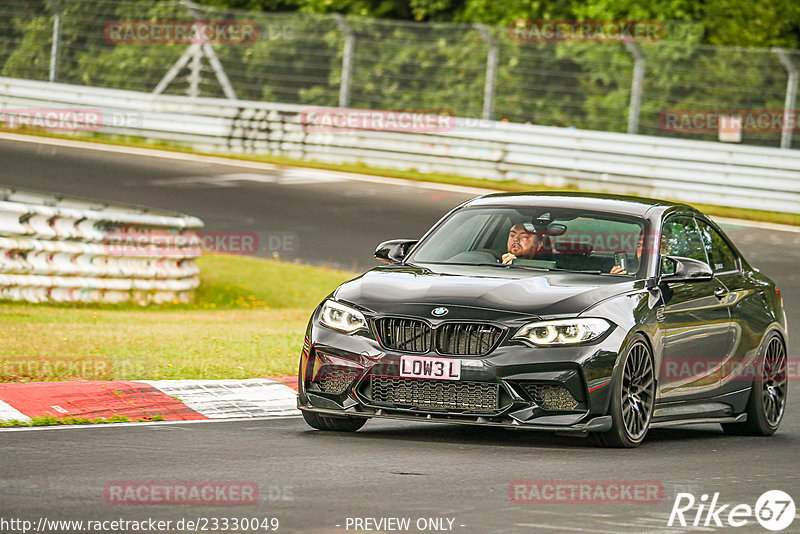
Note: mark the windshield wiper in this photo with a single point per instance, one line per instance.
(503, 265)
(476, 264)
(526, 267)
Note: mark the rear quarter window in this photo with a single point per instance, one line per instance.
(720, 255)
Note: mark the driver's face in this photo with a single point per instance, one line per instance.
(521, 243)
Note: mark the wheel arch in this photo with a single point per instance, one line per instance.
(623, 347)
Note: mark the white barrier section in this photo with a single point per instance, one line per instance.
(54, 249)
(687, 170)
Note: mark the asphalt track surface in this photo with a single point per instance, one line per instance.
(313, 481)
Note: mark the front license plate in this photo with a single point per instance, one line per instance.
(436, 368)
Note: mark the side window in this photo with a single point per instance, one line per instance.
(680, 237)
(719, 252)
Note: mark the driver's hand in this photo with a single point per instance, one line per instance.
(508, 258)
(617, 269)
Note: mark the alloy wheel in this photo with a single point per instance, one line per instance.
(638, 387)
(773, 388)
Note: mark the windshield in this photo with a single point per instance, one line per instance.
(537, 238)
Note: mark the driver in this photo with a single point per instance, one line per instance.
(522, 243)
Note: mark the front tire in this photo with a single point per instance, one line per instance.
(632, 397)
(767, 401)
(330, 422)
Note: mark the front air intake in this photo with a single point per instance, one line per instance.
(467, 339)
(335, 381)
(552, 397)
(408, 335)
(456, 395)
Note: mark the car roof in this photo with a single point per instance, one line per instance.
(622, 204)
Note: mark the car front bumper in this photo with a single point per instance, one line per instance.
(516, 385)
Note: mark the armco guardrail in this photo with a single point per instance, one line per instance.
(54, 249)
(694, 171)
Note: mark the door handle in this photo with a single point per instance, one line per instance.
(720, 292)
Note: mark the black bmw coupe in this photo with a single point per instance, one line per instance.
(594, 314)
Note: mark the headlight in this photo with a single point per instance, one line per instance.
(340, 317)
(563, 332)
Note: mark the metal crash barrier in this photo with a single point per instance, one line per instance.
(55, 249)
(679, 169)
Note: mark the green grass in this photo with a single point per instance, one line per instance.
(247, 321)
(49, 421)
(240, 282)
(499, 185)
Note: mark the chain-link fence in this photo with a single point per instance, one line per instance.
(672, 87)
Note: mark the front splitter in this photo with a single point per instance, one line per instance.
(597, 424)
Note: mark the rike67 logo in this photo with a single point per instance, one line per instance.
(774, 510)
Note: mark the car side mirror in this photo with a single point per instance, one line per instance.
(395, 250)
(686, 270)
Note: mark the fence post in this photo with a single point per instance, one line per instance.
(491, 72)
(194, 74)
(636, 86)
(347, 59)
(56, 38)
(199, 50)
(791, 94)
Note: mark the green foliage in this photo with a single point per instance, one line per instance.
(418, 66)
(440, 64)
(762, 23)
(30, 57)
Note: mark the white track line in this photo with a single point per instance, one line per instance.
(145, 423)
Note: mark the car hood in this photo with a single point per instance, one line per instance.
(403, 288)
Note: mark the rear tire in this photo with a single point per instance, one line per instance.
(332, 422)
(632, 397)
(767, 401)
